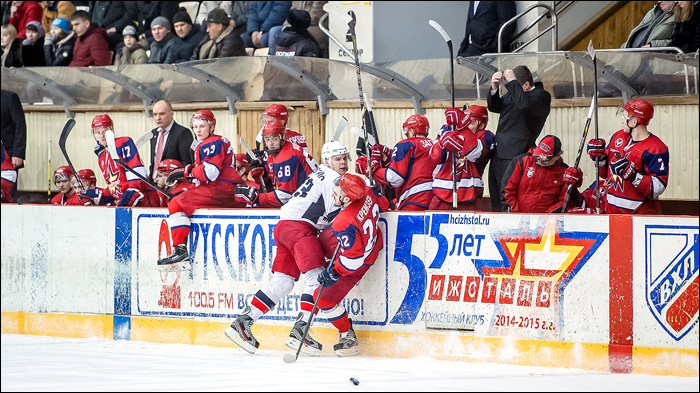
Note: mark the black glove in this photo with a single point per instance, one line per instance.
(245, 194)
(179, 173)
(328, 277)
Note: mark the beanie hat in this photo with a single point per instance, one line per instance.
(300, 20)
(182, 16)
(129, 30)
(217, 15)
(550, 145)
(161, 21)
(62, 23)
(36, 27)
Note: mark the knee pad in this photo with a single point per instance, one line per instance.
(282, 284)
(311, 278)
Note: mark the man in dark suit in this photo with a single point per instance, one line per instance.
(173, 140)
(524, 110)
(14, 128)
(484, 19)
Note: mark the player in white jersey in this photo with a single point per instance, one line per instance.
(304, 241)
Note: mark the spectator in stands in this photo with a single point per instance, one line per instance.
(221, 42)
(149, 10)
(56, 9)
(58, 46)
(13, 128)
(114, 16)
(484, 19)
(655, 29)
(11, 47)
(315, 10)
(133, 51)
(91, 48)
(262, 17)
(295, 40)
(23, 12)
(33, 45)
(237, 12)
(686, 34)
(191, 35)
(539, 182)
(163, 47)
(523, 112)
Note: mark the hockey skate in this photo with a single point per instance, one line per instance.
(348, 343)
(311, 347)
(240, 332)
(179, 260)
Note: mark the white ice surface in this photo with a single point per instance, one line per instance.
(37, 363)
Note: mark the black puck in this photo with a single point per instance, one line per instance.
(354, 381)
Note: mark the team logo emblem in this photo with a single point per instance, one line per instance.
(530, 171)
(671, 280)
(618, 142)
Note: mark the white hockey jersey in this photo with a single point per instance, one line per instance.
(313, 201)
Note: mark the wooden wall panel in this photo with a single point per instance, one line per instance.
(612, 32)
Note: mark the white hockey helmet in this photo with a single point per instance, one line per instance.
(332, 149)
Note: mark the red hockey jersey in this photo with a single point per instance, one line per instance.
(410, 172)
(470, 186)
(214, 160)
(61, 200)
(119, 179)
(641, 195)
(289, 169)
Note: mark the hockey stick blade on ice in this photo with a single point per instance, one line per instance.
(112, 147)
(289, 357)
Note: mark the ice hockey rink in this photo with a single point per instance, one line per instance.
(39, 363)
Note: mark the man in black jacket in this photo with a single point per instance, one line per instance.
(13, 130)
(483, 21)
(524, 110)
(173, 140)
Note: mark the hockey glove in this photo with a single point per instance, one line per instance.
(92, 193)
(257, 170)
(596, 149)
(130, 197)
(573, 176)
(98, 149)
(455, 117)
(245, 194)
(328, 277)
(624, 168)
(361, 166)
(179, 173)
(451, 141)
(382, 155)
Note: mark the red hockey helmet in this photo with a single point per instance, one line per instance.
(206, 115)
(419, 123)
(276, 112)
(352, 185)
(87, 175)
(167, 166)
(62, 173)
(274, 127)
(642, 109)
(242, 159)
(478, 113)
(100, 121)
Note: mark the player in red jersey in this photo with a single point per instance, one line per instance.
(9, 176)
(466, 137)
(62, 177)
(634, 165)
(289, 165)
(214, 177)
(123, 185)
(90, 194)
(243, 169)
(410, 170)
(360, 239)
(165, 168)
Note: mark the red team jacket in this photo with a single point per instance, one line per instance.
(535, 189)
(410, 172)
(60, 200)
(288, 170)
(470, 186)
(641, 195)
(356, 229)
(118, 179)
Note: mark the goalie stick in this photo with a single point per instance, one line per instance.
(112, 147)
(62, 145)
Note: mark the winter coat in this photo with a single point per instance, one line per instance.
(290, 42)
(660, 25)
(56, 9)
(149, 10)
(134, 55)
(27, 12)
(226, 45)
(91, 49)
(264, 15)
(115, 14)
(165, 51)
(33, 53)
(536, 189)
(14, 58)
(61, 52)
(686, 35)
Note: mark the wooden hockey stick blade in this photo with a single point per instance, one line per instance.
(337, 12)
(358, 131)
(144, 138)
(339, 128)
(247, 149)
(440, 30)
(591, 51)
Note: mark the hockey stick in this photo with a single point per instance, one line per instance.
(49, 151)
(591, 52)
(252, 157)
(288, 357)
(112, 148)
(580, 151)
(145, 138)
(339, 128)
(447, 39)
